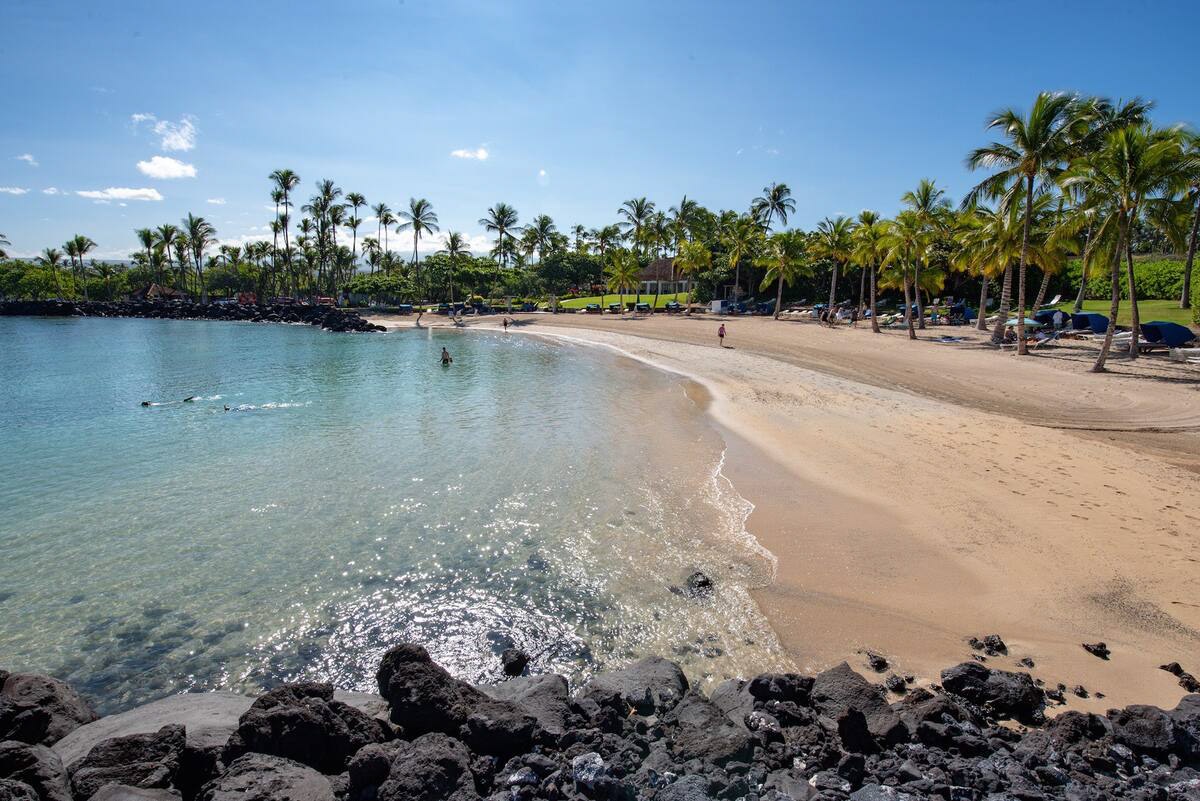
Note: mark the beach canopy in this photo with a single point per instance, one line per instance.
(1173, 335)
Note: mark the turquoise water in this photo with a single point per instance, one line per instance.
(355, 494)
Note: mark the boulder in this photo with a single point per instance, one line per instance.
(1146, 729)
(1186, 716)
(123, 792)
(425, 698)
(36, 766)
(261, 777)
(1097, 649)
(432, 767)
(13, 790)
(650, 686)
(138, 760)
(840, 689)
(40, 709)
(302, 722)
(781, 687)
(513, 661)
(370, 767)
(1008, 695)
(733, 697)
(687, 788)
(704, 732)
(546, 697)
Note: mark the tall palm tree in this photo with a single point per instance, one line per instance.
(906, 240)
(420, 219)
(932, 210)
(741, 238)
(501, 220)
(145, 238)
(1191, 146)
(83, 246)
(869, 247)
(285, 181)
(785, 260)
(456, 248)
(165, 236)
(71, 249)
(541, 234)
(3, 241)
(834, 243)
(580, 235)
(606, 238)
(622, 272)
(201, 235)
(356, 201)
(692, 258)
(381, 211)
(1038, 144)
(635, 214)
(51, 258)
(775, 203)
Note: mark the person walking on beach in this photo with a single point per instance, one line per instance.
(721, 334)
(505, 323)
(446, 358)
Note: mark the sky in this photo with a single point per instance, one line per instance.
(122, 115)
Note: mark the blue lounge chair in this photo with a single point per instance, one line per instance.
(1167, 335)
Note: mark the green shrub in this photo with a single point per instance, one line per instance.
(1158, 279)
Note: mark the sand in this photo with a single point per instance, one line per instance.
(918, 494)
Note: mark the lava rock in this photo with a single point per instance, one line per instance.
(137, 760)
(698, 585)
(123, 792)
(513, 661)
(546, 697)
(262, 777)
(13, 790)
(1146, 729)
(1005, 694)
(688, 788)
(840, 689)
(40, 709)
(877, 662)
(1097, 649)
(650, 686)
(36, 766)
(430, 768)
(705, 733)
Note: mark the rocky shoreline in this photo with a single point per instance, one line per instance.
(636, 733)
(329, 318)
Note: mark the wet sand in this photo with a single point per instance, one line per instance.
(917, 494)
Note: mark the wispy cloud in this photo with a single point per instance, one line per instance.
(173, 135)
(27, 158)
(120, 193)
(216, 201)
(165, 167)
(51, 190)
(478, 154)
(12, 190)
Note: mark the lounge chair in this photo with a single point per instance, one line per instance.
(1054, 301)
(1166, 334)
(614, 308)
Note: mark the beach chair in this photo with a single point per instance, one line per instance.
(1165, 334)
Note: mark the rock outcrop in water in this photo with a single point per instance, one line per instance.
(637, 733)
(328, 317)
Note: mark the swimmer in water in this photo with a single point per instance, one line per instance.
(189, 399)
(145, 403)
(446, 359)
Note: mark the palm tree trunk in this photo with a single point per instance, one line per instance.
(981, 323)
(874, 312)
(1041, 295)
(1185, 298)
(657, 284)
(917, 292)
(908, 313)
(1022, 349)
(862, 286)
(1133, 304)
(1005, 302)
(1115, 306)
(779, 293)
(1083, 270)
(832, 294)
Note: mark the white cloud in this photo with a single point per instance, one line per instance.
(402, 242)
(216, 201)
(120, 193)
(51, 190)
(478, 154)
(12, 190)
(174, 135)
(164, 167)
(27, 158)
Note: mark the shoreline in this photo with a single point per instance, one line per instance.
(858, 566)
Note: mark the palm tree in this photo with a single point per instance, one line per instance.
(692, 258)
(356, 201)
(834, 243)
(382, 211)
(106, 271)
(869, 247)
(906, 240)
(1037, 147)
(606, 238)
(932, 210)
(775, 203)
(623, 272)
(3, 241)
(201, 234)
(541, 233)
(165, 236)
(580, 233)
(1192, 146)
(285, 181)
(456, 248)
(636, 214)
(785, 260)
(51, 258)
(83, 246)
(421, 219)
(70, 248)
(502, 220)
(741, 237)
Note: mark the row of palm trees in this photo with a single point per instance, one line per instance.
(75, 248)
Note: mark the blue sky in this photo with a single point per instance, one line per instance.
(578, 105)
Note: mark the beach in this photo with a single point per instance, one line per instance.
(917, 494)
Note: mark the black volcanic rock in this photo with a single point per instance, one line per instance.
(261, 777)
(38, 767)
(137, 760)
(39, 709)
(999, 691)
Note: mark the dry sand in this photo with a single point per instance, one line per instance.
(917, 494)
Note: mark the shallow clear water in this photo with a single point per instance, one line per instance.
(356, 494)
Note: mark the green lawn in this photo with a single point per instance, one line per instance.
(1147, 310)
(579, 303)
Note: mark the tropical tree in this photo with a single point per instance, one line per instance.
(83, 246)
(869, 247)
(775, 203)
(356, 201)
(71, 248)
(636, 214)
(51, 258)
(285, 181)
(906, 241)
(606, 238)
(932, 210)
(165, 238)
(420, 218)
(834, 243)
(579, 234)
(201, 235)
(501, 220)
(1037, 148)
(692, 259)
(457, 249)
(3, 241)
(785, 259)
(1192, 148)
(623, 272)
(741, 237)
(541, 233)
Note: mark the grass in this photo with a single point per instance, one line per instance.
(579, 303)
(1147, 310)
